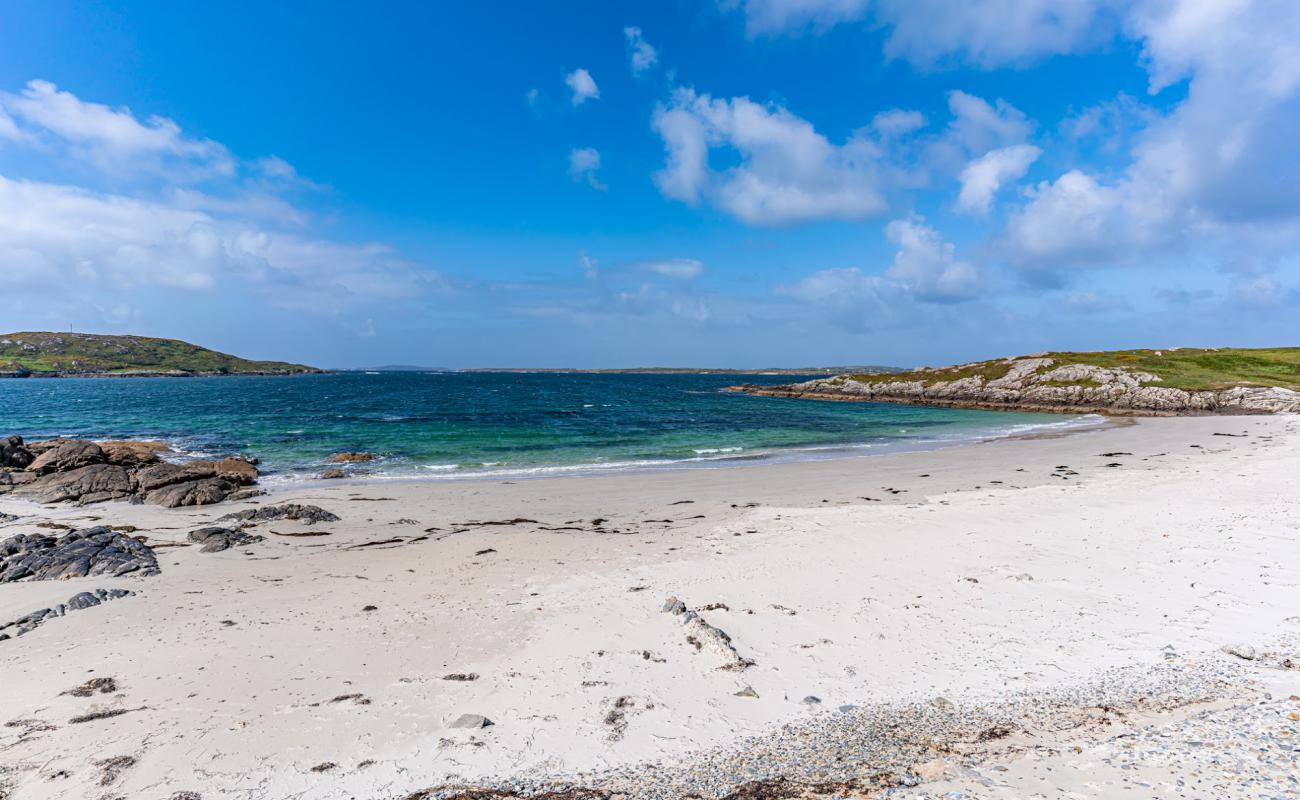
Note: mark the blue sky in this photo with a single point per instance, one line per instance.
(737, 183)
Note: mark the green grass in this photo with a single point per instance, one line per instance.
(51, 353)
(1186, 368)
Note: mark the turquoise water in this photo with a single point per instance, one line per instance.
(448, 425)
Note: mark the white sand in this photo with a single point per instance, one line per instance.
(991, 575)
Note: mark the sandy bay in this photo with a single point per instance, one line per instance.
(1024, 597)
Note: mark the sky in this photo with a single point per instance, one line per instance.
(741, 183)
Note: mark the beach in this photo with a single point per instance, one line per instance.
(1092, 613)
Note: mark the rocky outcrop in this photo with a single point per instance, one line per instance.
(93, 551)
(75, 470)
(1041, 384)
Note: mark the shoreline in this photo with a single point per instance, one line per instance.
(1042, 564)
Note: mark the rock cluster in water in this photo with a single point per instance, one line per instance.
(74, 470)
(1040, 384)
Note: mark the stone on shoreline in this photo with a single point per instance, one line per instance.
(350, 458)
(215, 539)
(470, 721)
(65, 455)
(93, 551)
(14, 454)
(307, 515)
(89, 484)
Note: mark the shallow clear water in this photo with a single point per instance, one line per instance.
(465, 424)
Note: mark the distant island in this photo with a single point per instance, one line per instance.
(1169, 382)
(54, 355)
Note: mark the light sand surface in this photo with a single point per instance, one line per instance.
(961, 578)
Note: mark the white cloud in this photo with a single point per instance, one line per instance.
(8, 128)
(978, 126)
(68, 240)
(925, 269)
(643, 55)
(582, 85)
(991, 33)
(678, 268)
(982, 178)
(1219, 167)
(584, 163)
(898, 122)
(927, 266)
(787, 172)
(774, 17)
(113, 140)
(590, 266)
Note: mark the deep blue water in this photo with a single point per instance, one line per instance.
(459, 424)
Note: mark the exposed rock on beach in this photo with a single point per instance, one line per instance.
(84, 472)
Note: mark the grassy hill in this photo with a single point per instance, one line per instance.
(44, 354)
(1178, 368)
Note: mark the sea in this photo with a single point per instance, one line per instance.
(467, 425)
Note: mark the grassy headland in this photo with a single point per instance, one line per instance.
(42, 354)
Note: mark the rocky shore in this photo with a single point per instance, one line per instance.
(85, 472)
(1042, 384)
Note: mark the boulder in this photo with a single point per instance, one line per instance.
(350, 458)
(201, 492)
(90, 484)
(93, 551)
(236, 470)
(13, 454)
(333, 474)
(66, 454)
(308, 515)
(133, 454)
(215, 539)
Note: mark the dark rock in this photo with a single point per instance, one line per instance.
(94, 551)
(8, 518)
(93, 686)
(14, 454)
(161, 475)
(67, 454)
(215, 539)
(308, 515)
(331, 474)
(83, 600)
(244, 494)
(202, 492)
(89, 484)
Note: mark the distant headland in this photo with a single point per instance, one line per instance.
(1172, 382)
(65, 355)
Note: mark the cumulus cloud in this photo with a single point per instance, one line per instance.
(774, 17)
(642, 54)
(993, 33)
(981, 178)
(1218, 166)
(787, 171)
(67, 236)
(927, 266)
(112, 139)
(584, 163)
(582, 85)
(925, 269)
